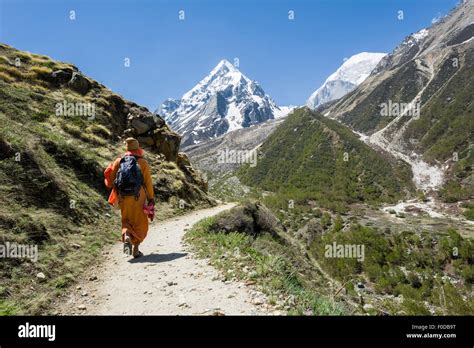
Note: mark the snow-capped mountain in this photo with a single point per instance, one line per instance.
(429, 70)
(223, 101)
(349, 75)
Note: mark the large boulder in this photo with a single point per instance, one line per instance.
(80, 83)
(139, 126)
(249, 218)
(141, 120)
(167, 142)
(149, 141)
(62, 76)
(73, 79)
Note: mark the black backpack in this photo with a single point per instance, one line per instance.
(129, 178)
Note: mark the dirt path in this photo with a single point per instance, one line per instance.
(168, 280)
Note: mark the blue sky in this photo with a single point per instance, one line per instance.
(168, 56)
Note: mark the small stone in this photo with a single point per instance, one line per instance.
(84, 293)
(250, 282)
(82, 307)
(368, 307)
(92, 278)
(41, 275)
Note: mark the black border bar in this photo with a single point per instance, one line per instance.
(186, 330)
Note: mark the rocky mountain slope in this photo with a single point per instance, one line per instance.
(219, 158)
(205, 155)
(310, 157)
(58, 131)
(417, 104)
(223, 101)
(347, 77)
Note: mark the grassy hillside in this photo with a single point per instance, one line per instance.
(247, 244)
(402, 86)
(51, 181)
(407, 272)
(310, 157)
(430, 273)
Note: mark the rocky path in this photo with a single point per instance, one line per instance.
(168, 280)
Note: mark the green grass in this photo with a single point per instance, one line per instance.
(469, 211)
(264, 261)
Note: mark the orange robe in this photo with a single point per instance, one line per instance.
(134, 220)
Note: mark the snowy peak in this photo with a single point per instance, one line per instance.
(357, 68)
(221, 102)
(347, 77)
(223, 75)
(223, 66)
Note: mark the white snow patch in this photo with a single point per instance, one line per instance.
(283, 111)
(234, 118)
(421, 34)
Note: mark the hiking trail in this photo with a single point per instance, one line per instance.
(167, 280)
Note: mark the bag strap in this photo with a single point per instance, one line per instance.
(143, 185)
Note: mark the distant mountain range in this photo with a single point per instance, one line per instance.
(227, 100)
(223, 101)
(349, 75)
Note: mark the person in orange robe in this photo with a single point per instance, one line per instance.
(134, 219)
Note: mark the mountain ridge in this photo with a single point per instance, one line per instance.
(428, 71)
(223, 101)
